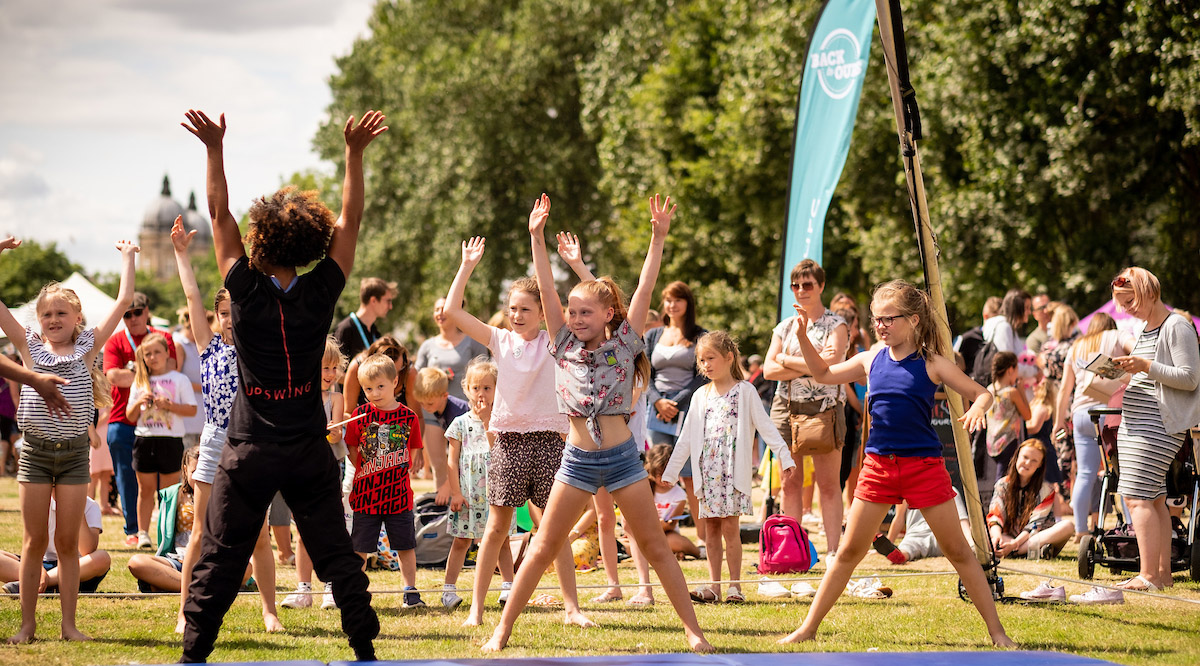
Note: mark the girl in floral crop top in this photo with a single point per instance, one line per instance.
(598, 351)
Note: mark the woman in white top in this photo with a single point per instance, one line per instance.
(1002, 331)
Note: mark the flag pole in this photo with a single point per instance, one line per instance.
(908, 124)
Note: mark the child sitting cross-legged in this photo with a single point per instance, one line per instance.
(380, 442)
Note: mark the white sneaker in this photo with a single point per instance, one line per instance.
(504, 590)
(327, 602)
(868, 588)
(301, 598)
(450, 598)
(144, 541)
(803, 590)
(810, 521)
(1045, 591)
(1098, 596)
(772, 590)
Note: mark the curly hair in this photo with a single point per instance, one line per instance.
(289, 228)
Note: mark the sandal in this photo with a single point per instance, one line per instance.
(607, 598)
(734, 596)
(546, 601)
(704, 595)
(1137, 584)
(640, 601)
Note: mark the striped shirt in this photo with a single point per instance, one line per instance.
(1144, 446)
(32, 416)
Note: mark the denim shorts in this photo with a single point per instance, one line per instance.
(212, 442)
(63, 462)
(612, 468)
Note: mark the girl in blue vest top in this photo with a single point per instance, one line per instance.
(903, 453)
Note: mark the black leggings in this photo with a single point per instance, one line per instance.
(249, 474)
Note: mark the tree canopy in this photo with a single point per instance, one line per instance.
(1062, 142)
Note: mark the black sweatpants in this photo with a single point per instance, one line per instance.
(247, 478)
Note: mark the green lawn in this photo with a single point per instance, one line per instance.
(924, 614)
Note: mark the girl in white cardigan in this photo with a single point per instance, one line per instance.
(718, 435)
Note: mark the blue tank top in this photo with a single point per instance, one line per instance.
(901, 406)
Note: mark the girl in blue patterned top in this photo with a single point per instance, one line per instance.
(903, 453)
(218, 385)
(599, 351)
(55, 459)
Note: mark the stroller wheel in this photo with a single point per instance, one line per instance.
(1087, 557)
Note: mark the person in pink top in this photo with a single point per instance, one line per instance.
(527, 425)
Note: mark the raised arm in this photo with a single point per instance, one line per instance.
(124, 296)
(345, 230)
(472, 253)
(571, 253)
(8, 323)
(551, 306)
(227, 238)
(660, 224)
(201, 333)
(822, 372)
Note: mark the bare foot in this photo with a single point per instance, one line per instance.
(1002, 640)
(272, 623)
(497, 642)
(180, 625)
(73, 634)
(797, 636)
(24, 635)
(474, 617)
(699, 644)
(578, 619)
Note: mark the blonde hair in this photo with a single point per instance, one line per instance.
(141, 377)
(431, 383)
(333, 352)
(101, 388)
(1144, 285)
(480, 365)
(722, 343)
(377, 365)
(1062, 322)
(1090, 343)
(911, 301)
(527, 285)
(606, 292)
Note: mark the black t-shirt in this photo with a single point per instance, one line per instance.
(280, 340)
(353, 337)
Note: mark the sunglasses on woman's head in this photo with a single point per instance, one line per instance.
(1121, 282)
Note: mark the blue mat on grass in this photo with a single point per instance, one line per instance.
(980, 658)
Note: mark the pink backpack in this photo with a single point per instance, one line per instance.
(783, 546)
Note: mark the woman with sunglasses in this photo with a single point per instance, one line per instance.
(1160, 404)
(799, 393)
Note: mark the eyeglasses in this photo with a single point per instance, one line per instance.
(1121, 282)
(882, 321)
(136, 312)
(804, 286)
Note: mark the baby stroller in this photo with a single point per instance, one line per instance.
(1117, 548)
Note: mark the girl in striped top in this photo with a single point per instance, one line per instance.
(56, 458)
(1160, 404)
(1021, 518)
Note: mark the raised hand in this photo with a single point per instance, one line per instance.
(568, 247)
(129, 247)
(212, 134)
(180, 237)
(9, 243)
(802, 320)
(472, 251)
(660, 216)
(539, 215)
(359, 136)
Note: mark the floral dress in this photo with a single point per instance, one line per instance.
(718, 497)
(470, 520)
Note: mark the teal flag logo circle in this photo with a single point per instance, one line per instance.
(838, 63)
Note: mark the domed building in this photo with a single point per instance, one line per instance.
(158, 256)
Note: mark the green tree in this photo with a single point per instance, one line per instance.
(25, 270)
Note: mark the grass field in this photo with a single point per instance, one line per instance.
(924, 614)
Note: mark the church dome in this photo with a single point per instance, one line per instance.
(161, 212)
(193, 219)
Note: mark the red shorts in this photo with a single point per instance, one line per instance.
(891, 479)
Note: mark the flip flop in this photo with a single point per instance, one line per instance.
(1137, 584)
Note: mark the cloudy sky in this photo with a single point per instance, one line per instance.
(92, 93)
